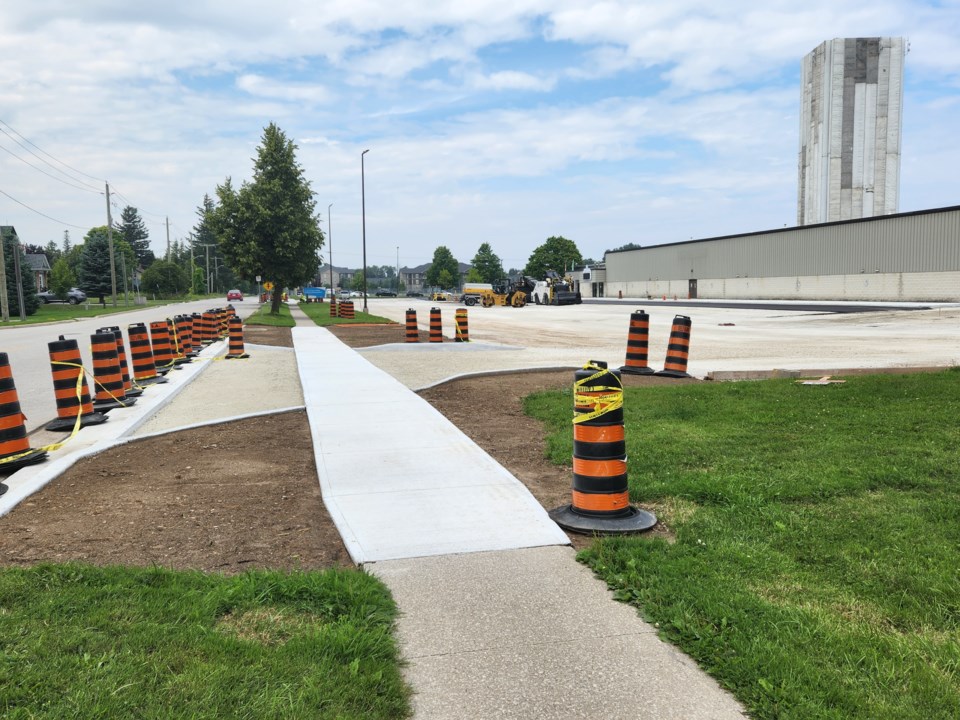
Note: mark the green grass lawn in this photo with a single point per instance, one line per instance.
(83, 642)
(815, 567)
(263, 317)
(320, 314)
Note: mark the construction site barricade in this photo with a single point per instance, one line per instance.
(74, 406)
(462, 325)
(15, 450)
(346, 310)
(600, 498)
(436, 326)
(141, 356)
(678, 351)
(128, 389)
(638, 341)
(108, 393)
(413, 332)
(235, 351)
(162, 350)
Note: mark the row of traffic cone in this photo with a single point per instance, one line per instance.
(462, 326)
(678, 348)
(169, 344)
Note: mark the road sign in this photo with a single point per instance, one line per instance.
(268, 286)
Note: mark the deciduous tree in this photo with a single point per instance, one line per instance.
(268, 226)
(443, 260)
(557, 253)
(487, 264)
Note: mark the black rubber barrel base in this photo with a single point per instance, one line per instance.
(3, 488)
(133, 392)
(31, 458)
(181, 361)
(236, 357)
(635, 522)
(155, 380)
(673, 374)
(108, 405)
(636, 370)
(67, 424)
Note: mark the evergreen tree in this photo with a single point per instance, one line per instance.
(134, 231)
(443, 260)
(488, 264)
(52, 252)
(268, 227)
(94, 275)
(11, 245)
(67, 246)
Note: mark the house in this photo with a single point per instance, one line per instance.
(37, 262)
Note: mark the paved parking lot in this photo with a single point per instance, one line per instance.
(722, 339)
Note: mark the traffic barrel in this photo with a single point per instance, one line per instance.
(15, 450)
(196, 331)
(436, 326)
(600, 498)
(176, 343)
(108, 379)
(222, 329)
(462, 325)
(678, 351)
(333, 306)
(128, 389)
(413, 333)
(141, 356)
(235, 351)
(160, 340)
(70, 388)
(346, 310)
(184, 336)
(638, 339)
(209, 327)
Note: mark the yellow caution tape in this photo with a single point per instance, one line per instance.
(603, 398)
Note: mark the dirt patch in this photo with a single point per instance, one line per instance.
(244, 494)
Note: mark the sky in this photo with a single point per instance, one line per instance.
(502, 121)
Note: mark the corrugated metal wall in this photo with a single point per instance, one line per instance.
(910, 242)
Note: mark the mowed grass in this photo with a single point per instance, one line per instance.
(78, 641)
(58, 312)
(320, 314)
(263, 317)
(815, 567)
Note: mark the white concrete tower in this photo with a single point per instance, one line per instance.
(851, 106)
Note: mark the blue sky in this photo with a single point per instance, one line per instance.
(500, 121)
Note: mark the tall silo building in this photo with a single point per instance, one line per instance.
(852, 99)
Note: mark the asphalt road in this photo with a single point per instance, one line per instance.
(29, 355)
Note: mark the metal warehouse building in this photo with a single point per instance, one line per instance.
(911, 256)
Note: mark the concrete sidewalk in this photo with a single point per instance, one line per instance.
(498, 620)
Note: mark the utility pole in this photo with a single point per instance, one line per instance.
(4, 302)
(168, 238)
(330, 236)
(207, 267)
(113, 270)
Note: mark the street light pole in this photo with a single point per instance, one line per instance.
(330, 236)
(363, 216)
(398, 271)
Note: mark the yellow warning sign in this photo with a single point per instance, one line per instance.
(268, 286)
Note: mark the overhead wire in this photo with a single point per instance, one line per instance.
(41, 170)
(61, 222)
(51, 156)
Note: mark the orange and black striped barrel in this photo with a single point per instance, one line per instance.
(599, 447)
(413, 333)
(235, 350)
(346, 310)
(678, 351)
(70, 387)
(436, 326)
(108, 379)
(638, 340)
(209, 327)
(15, 451)
(141, 355)
(162, 350)
(222, 328)
(196, 331)
(184, 335)
(463, 327)
(333, 306)
(128, 389)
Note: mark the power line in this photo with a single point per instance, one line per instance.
(61, 222)
(51, 156)
(48, 163)
(24, 161)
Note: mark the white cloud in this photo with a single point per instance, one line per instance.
(272, 88)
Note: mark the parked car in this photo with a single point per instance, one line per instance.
(234, 295)
(414, 293)
(356, 293)
(74, 296)
(385, 292)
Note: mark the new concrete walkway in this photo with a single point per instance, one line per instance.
(498, 620)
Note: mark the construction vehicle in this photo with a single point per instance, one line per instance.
(556, 290)
(505, 293)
